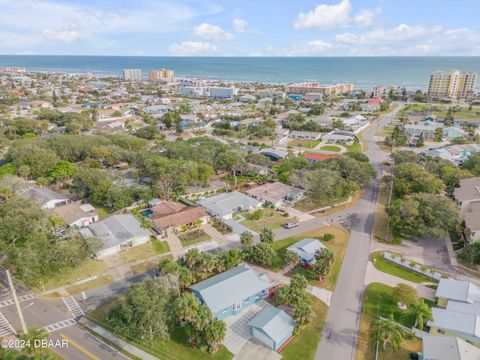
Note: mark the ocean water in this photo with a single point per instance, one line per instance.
(364, 72)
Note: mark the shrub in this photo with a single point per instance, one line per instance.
(328, 237)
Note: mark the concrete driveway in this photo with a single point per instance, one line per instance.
(237, 327)
(254, 350)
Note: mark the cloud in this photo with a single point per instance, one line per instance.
(310, 48)
(410, 40)
(364, 18)
(211, 32)
(193, 48)
(63, 36)
(325, 16)
(240, 25)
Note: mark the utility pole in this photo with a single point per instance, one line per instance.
(17, 304)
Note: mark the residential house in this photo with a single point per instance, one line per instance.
(224, 206)
(276, 193)
(273, 327)
(467, 193)
(306, 250)
(454, 153)
(274, 154)
(171, 215)
(117, 233)
(340, 137)
(472, 222)
(47, 198)
(458, 313)
(247, 98)
(232, 291)
(77, 214)
(305, 135)
(447, 348)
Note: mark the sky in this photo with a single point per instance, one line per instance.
(240, 28)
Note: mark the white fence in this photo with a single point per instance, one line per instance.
(431, 273)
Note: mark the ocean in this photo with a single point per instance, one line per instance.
(363, 72)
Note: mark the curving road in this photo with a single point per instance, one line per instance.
(339, 337)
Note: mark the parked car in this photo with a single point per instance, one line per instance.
(290, 225)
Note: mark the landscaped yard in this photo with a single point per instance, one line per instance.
(334, 148)
(304, 143)
(269, 219)
(379, 300)
(305, 344)
(150, 249)
(177, 347)
(355, 147)
(337, 245)
(88, 268)
(192, 237)
(390, 268)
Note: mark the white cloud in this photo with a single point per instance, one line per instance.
(63, 36)
(240, 25)
(211, 32)
(364, 18)
(325, 16)
(410, 40)
(193, 48)
(310, 48)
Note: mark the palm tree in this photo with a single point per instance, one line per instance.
(203, 318)
(186, 306)
(421, 312)
(302, 314)
(214, 333)
(267, 236)
(246, 238)
(291, 258)
(388, 331)
(33, 335)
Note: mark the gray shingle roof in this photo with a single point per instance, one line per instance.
(42, 195)
(230, 287)
(115, 230)
(448, 348)
(307, 248)
(226, 203)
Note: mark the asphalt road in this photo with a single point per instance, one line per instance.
(339, 337)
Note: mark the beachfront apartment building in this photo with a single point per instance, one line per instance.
(314, 87)
(452, 85)
(132, 74)
(161, 74)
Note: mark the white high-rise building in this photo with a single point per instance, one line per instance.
(453, 85)
(132, 74)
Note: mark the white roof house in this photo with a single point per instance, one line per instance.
(448, 348)
(460, 312)
(306, 249)
(452, 289)
(47, 198)
(225, 205)
(117, 233)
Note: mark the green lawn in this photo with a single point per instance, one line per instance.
(197, 236)
(331, 148)
(338, 245)
(304, 345)
(177, 347)
(355, 147)
(100, 281)
(304, 143)
(379, 300)
(390, 268)
(161, 247)
(270, 219)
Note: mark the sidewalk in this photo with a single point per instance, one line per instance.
(117, 341)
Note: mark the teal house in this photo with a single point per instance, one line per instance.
(232, 291)
(272, 326)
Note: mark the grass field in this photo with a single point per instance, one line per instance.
(200, 236)
(270, 219)
(337, 245)
(177, 347)
(304, 143)
(381, 217)
(331, 148)
(379, 301)
(304, 345)
(390, 268)
(355, 147)
(152, 248)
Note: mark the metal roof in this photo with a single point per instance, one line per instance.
(275, 323)
(307, 248)
(448, 348)
(230, 287)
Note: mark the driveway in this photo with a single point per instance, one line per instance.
(237, 327)
(254, 350)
